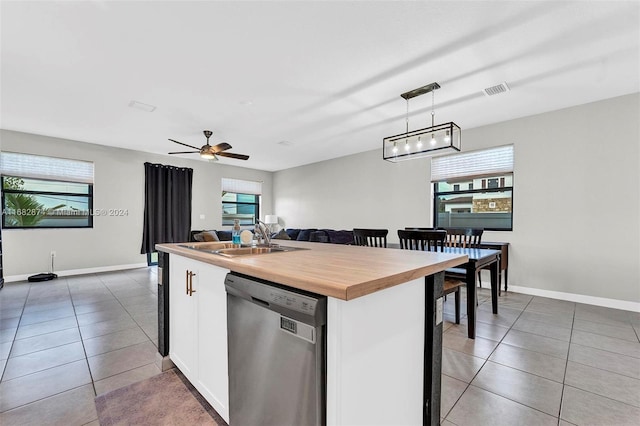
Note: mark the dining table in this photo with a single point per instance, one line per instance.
(478, 260)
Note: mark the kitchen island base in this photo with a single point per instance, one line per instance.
(384, 325)
(379, 370)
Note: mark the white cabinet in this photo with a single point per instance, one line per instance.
(198, 328)
(182, 315)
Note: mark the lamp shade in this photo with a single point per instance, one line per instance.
(271, 219)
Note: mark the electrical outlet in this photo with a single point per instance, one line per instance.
(53, 253)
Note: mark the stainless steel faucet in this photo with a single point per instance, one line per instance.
(262, 229)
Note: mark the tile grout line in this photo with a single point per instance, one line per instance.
(123, 307)
(502, 396)
(84, 349)
(35, 372)
(486, 360)
(15, 334)
(566, 366)
(24, 304)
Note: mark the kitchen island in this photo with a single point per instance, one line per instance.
(384, 324)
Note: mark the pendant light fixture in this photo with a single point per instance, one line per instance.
(437, 139)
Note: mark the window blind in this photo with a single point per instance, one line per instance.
(487, 162)
(238, 186)
(48, 168)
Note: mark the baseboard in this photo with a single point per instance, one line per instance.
(580, 298)
(71, 272)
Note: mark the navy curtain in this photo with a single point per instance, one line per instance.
(167, 205)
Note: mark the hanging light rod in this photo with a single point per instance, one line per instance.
(420, 91)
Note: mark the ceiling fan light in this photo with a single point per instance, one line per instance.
(208, 155)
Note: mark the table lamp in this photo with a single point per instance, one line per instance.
(271, 220)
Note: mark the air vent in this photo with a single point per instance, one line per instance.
(141, 106)
(496, 90)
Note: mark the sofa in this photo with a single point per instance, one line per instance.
(294, 234)
(320, 235)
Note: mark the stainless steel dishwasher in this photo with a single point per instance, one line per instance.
(277, 362)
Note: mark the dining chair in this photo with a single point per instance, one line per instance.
(370, 237)
(432, 240)
(463, 237)
(414, 239)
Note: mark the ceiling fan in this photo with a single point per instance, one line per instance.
(211, 152)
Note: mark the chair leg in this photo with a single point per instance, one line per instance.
(457, 302)
(480, 279)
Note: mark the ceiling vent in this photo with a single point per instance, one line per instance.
(141, 106)
(496, 90)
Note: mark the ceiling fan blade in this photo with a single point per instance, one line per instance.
(190, 146)
(184, 152)
(223, 146)
(232, 155)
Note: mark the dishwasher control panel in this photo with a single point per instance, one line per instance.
(306, 307)
(297, 302)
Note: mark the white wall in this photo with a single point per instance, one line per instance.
(576, 223)
(119, 184)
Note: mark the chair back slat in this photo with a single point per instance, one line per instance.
(463, 237)
(431, 240)
(370, 237)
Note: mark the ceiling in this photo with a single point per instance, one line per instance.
(292, 83)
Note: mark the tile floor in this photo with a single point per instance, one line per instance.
(65, 341)
(539, 361)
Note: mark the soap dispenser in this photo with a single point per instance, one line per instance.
(235, 234)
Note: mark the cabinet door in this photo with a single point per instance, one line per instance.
(213, 377)
(183, 316)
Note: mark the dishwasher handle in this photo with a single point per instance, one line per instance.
(260, 302)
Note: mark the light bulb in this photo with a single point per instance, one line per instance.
(447, 138)
(406, 146)
(395, 147)
(419, 144)
(433, 140)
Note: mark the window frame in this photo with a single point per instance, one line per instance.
(436, 194)
(239, 203)
(88, 195)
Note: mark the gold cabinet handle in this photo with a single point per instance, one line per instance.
(186, 281)
(191, 290)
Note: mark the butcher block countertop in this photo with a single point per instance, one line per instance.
(341, 271)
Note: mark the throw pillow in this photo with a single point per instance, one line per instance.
(293, 233)
(340, 237)
(282, 235)
(305, 234)
(199, 237)
(210, 236)
(224, 235)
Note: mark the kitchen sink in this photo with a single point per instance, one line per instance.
(246, 251)
(227, 249)
(208, 247)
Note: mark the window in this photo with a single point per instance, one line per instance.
(491, 206)
(240, 200)
(46, 192)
